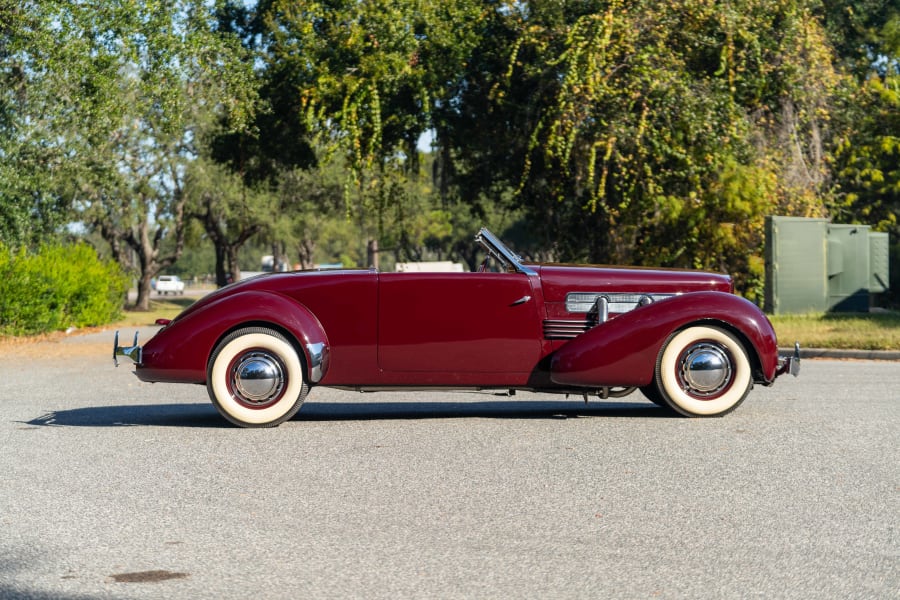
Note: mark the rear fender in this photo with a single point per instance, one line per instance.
(623, 351)
(179, 352)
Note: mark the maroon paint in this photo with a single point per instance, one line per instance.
(458, 322)
(457, 329)
(559, 280)
(624, 350)
(179, 352)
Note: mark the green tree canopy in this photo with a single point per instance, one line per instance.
(118, 92)
(30, 211)
(623, 131)
(636, 131)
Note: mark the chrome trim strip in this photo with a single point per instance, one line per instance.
(316, 353)
(602, 309)
(598, 306)
(619, 302)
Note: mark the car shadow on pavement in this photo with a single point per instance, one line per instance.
(499, 409)
(205, 415)
(157, 415)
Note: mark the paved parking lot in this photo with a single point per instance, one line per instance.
(117, 489)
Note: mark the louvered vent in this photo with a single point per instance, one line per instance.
(558, 329)
(586, 303)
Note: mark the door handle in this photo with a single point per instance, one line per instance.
(521, 300)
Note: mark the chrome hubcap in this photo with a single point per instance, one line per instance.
(258, 378)
(705, 370)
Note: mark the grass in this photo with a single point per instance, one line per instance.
(872, 331)
(160, 308)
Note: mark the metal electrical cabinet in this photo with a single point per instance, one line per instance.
(848, 268)
(796, 278)
(879, 262)
(816, 266)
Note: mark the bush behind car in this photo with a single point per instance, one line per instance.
(58, 286)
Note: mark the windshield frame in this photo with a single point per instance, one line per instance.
(497, 249)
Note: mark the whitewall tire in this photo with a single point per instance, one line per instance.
(255, 378)
(703, 371)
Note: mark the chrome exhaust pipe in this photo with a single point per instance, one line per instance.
(134, 352)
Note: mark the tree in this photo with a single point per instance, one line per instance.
(278, 139)
(868, 164)
(229, 211)
(364, 80)
(866, 157)
(647, 125)
(29, 211)
(856, 30)
(131, 85)
(311, 214)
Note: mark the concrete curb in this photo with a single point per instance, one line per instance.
(843, 354)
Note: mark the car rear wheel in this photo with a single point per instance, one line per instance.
(703, 372)
(255, 378)
(651, 393)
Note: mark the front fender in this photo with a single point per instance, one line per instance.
(179, 351)
(623, 351)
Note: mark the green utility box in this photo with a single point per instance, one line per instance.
(816, 266)
(879, 262)
(796, 276)
(848, 268)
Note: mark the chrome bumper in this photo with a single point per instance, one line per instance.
(318, 356)
(787, 364)
(134, 352)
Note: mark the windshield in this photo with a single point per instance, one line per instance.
(498, 250)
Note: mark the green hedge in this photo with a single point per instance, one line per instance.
(56, 288)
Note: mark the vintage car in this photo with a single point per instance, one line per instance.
(681, 337)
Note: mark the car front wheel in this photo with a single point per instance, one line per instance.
(703, 372)
(255, 378)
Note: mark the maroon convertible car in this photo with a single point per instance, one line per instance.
(681, 337)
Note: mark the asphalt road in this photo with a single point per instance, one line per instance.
(116, 489)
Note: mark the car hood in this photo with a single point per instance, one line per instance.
(559, 280)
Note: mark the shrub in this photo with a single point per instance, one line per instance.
(57, 287)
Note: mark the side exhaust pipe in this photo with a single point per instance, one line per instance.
(134, 352)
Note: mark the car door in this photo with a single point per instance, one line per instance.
(459, 323)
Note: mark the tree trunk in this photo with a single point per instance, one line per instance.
(278, 256)
(305, 250)
(144, 290)
(138, 238)
(233, 267)
(221, 264)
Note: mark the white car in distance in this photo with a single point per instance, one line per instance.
(169, 284)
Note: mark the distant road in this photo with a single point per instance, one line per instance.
(189, 292)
